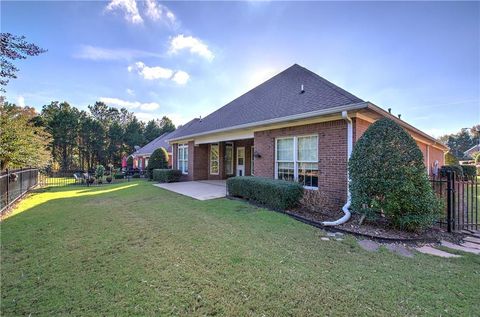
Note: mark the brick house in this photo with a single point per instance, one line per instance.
(295, 126)
(142, 155)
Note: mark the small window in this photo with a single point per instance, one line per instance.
(214, 159)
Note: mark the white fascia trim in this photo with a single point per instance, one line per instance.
(305, 115)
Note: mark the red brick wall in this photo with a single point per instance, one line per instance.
(359, 127)
(332, 157)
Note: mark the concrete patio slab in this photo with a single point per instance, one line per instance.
(201, 190)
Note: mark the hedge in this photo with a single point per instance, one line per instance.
(389, 178)
(158, 160)
(457, 169)
(275, 194)
(166, 175)
(118, 176)
(469, 171)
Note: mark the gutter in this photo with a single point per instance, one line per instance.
(353, 106)
(345, 207)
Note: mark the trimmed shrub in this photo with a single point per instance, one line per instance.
(118, 176)
(451, 159)
(389, 178)
(99, 171)
(166, 175)
(457, 169)
(469, 171)
(273, 193)
(136, 175)
(109, 179)
(158, 160)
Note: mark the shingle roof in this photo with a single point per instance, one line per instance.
(280, 96)
(161, 141)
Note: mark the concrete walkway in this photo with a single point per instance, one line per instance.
(201, 190)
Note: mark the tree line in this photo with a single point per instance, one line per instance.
(62, 137)
(461, 141)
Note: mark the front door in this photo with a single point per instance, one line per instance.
(240, 161)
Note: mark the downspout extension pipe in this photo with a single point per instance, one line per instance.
(345, 207)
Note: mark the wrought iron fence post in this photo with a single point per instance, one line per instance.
(449, 200)
(8, 187)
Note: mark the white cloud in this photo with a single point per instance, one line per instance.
(130, 92)
(194, 45)
(151, 73)
(157, 72)
(20, 101)
(181, 77)
(159, 12)
(98, 53)
(129, 8)
(116, 102)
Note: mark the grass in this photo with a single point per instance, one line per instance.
(135, 249)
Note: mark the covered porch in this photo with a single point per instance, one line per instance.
(203, 160)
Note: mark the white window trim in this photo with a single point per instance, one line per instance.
(218, 158)
(295, 156)
(232, 172)
(184, 147)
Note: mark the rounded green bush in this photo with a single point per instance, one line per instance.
(389, 179)
(158, 160)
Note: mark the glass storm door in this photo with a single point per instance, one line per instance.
(240, 161)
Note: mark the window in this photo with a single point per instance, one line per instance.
(229, 158)
(146, 162)
(214, 158)
(252, 157)
(297, 160)
(183, 158)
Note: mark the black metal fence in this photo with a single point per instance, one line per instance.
(16, 183)
(461, 199)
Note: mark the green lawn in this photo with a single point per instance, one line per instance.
(135, 249)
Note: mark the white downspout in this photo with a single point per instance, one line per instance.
(345, 207)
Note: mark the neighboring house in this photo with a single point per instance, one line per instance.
(295, 126)
(142, 155)
(472, 151)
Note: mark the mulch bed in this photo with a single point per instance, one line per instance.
(379, 230)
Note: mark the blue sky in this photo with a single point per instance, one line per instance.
(186, 59)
